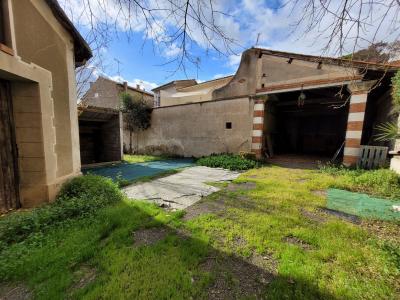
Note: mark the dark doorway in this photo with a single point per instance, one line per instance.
(100, 135)
(308, 123)
(9, 184)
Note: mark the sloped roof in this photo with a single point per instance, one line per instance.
(201, 85)
(189, 82)
(81, 47)
(334, 60)
(129, 87)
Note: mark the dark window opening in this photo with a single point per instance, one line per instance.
(228, 125)
(2, 23)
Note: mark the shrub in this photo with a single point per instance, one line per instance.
(80, 196)
(227, 161)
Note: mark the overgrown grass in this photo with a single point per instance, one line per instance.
(380, 182)
(228, 161)
(142, 158)
(79, 197)
(345, 261)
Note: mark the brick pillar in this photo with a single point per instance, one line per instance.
(258, 127)
(355, 121)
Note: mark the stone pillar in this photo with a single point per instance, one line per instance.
(258, 127)
(395, 161)
(358, 102)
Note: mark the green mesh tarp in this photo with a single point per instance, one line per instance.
(362, 205)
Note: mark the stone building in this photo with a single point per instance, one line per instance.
(102, 133)
(39, 141)
(186, 91)
(277, 103)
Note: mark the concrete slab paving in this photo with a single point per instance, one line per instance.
(180, 190)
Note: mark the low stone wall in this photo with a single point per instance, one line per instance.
(197, 129)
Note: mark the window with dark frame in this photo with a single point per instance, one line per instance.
(228, 125)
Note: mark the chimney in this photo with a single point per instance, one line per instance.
(138, 86)
(125, 86)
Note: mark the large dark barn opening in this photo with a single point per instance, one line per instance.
(309, 123)
(100, 136)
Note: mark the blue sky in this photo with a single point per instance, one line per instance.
(143, 61)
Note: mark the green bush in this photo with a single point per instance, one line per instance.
(380, 182)
(228, 161)
(80, 196)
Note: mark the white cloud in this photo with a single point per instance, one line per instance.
(234, 60)
(172, 51)
(216, 76)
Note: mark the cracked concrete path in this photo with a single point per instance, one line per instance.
(180, 190)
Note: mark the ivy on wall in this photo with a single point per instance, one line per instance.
(396, 91)
(389, 131)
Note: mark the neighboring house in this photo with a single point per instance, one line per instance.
(187, 91)
(277, 103)
(102, 133)
(166, 90)
(106, 93)
(39, 142)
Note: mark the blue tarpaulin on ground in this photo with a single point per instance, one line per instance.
(132, 171)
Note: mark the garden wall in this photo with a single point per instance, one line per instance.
(198, 129)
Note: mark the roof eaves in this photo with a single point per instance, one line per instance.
(81, 48)
(332, 60)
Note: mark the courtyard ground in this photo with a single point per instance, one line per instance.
(180, 190)
(264, 236)
(139, 168)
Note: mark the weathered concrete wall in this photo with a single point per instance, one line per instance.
(199, 129)
(276, 70)
(244, 82)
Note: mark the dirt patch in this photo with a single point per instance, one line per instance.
(239, 242)
(149, 236)
(14, 292)
(312, 216)
(204, 207)
(302, 180)
(85, 275)
(342, 215)
(243, 202)
(242, 186)
(237, 278)
(320, 193)
(383, 230)
(183, 233)
(290, 239)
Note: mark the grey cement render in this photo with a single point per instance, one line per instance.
(198, 129)
(180, 190)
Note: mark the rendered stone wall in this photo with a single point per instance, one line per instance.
(198, 129)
